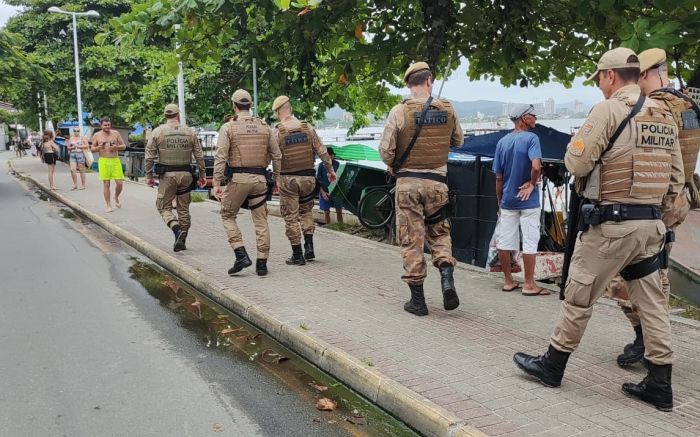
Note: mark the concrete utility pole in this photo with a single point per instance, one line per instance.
(38, 102)
(92, 14)
(180, 83)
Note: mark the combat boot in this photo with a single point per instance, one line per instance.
(417, 303)
(297, 258)
(242, 261)
(655, 388)
(180, 239)
(450, 299)
(634, 352)
(547, 368)
(261, 266)
(309, 247)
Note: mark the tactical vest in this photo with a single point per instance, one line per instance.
(637, 169)
(689, 133)
(177, 145)
(248, 138)
(297, 151)
(433, 143)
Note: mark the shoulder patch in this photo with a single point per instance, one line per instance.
(577, 146)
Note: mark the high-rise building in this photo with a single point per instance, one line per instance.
(578, 107)
(549, 106)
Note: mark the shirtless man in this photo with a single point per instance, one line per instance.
(108, 143)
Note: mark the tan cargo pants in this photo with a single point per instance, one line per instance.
(237, 191)
(168, 186)
(298, 217)
(600, 254)
(416, 199)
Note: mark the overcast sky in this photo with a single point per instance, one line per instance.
(458, 87)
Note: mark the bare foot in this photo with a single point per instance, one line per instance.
(117, 203)
(74, 188)
(82, 188)
(108, 209)
(54, 188)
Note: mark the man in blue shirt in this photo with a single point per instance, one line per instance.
(325, 200)
(517, 164)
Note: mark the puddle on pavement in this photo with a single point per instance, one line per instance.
(68, 214)
(218, 328)
(41, 195)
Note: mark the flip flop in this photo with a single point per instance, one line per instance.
(540, 292)
(515, 287)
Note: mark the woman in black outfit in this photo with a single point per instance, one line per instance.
(49, 151)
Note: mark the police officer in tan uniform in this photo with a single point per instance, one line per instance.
(654, 84)
(299, 144)
(421, 185)
(626, 158)
(243, 152)
(174, 145)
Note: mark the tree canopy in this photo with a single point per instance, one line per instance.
(327, 52)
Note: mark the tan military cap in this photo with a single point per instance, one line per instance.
(279, 102)
(615, 58)
(418, 66)
(651, 58)
(171, 109)
(242, 96)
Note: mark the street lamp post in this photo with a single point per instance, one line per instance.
(92, 14)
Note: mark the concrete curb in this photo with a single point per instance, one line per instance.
(418, 412)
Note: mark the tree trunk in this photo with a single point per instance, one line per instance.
(438, 18)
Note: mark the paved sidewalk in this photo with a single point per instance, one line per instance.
(352, 298)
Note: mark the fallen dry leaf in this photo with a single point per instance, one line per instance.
(227, 331)
(325, 404)
(218, 427)
(196, 303)
(319, 387)
(317, 420)
(356, 419)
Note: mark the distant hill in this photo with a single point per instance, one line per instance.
(464, 109)
(470, 109)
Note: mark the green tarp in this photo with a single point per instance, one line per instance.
(355, 152)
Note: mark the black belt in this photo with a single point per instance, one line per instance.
(250, 170)
(309, 172)
(621, 212)
(418, 175)
(160, 169)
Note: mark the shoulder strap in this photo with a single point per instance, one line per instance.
(679, 94)
(397, 164)
(621, 127)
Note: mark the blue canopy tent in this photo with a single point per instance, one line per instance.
(474, 182)
(552, 142)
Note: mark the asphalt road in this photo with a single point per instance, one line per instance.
(86, 351)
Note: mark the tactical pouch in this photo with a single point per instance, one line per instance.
(590, 216)
(592, 188)
(158, 169)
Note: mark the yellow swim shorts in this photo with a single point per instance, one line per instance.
(110, 169)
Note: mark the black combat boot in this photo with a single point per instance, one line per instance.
(548, 368)
(242, 261)
(450, 299)
(180, 239)
(261, 266)
(634, 352)
(655, 388)
(417, 303)
(309, 247)
(297, 258)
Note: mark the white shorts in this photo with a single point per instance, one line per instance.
(512, 220)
